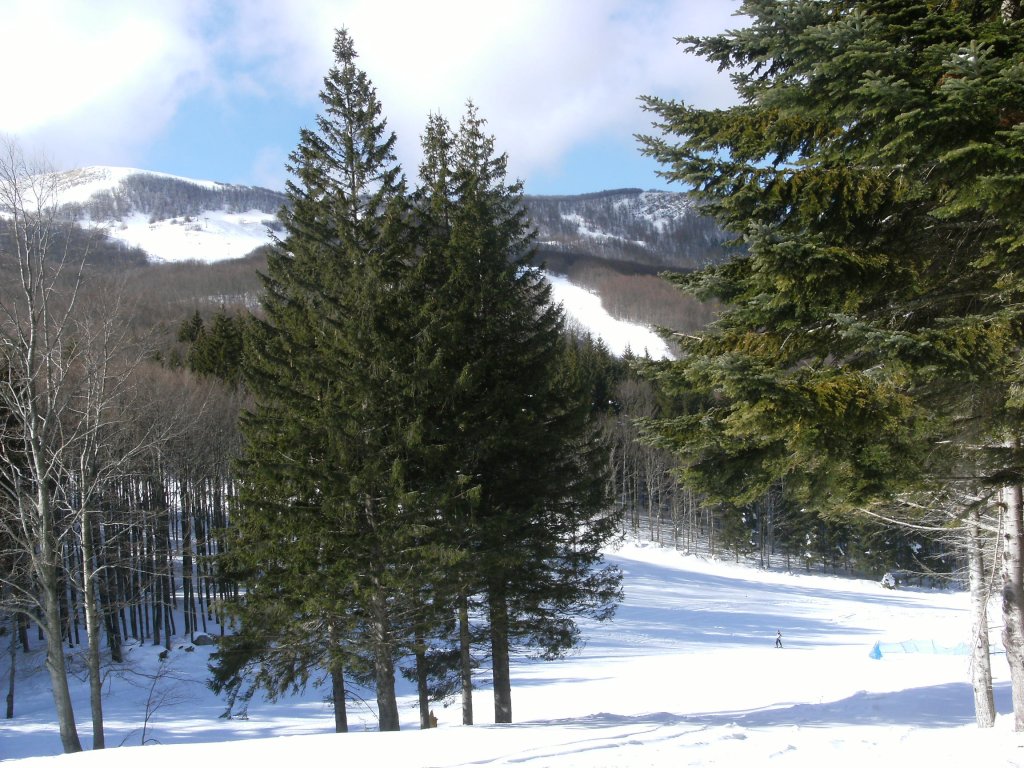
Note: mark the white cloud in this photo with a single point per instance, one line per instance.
(107, 76)
(106, 73)
(545, 75)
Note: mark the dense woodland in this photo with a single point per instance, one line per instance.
(173, 434)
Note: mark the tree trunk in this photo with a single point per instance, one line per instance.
(981, 660)
(337, 670)
(14, 663)
(338, 696)
(1013, 598)
(49, 581)
(422, 684)
(387, 702)
(384, 667)
(465, 660)
(47, 570)
(500, 657)
(92, 629)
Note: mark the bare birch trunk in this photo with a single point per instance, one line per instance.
(34, 328)
(1013, 597)
(55, 665)
(981, 660)
(92, 629)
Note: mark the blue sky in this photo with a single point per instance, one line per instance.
(218, 89)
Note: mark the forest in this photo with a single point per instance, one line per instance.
(373, 449)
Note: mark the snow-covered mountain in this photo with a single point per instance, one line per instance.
(170, 217)
(175, 219)
(651, 230)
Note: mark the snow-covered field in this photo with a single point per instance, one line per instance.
(214, 236)
(685, 675)
(585, 308)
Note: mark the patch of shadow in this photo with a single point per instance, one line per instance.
(939, 706)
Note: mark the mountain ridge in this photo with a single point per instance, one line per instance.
(155, 211)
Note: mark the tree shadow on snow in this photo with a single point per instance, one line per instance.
(939, 706)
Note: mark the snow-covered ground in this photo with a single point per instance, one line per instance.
(685, 675)
(583, 307)
(213, 236)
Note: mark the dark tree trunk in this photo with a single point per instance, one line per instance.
(14, 663)
(500, 656)
(384, 674)
(382, 643)
(465, 660)
(422, 684)
(338, 697)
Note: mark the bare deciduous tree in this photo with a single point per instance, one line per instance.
(35, 349)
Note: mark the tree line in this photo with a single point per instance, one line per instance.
(162, 197)
(664, 230)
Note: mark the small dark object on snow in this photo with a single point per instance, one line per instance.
(778, 639)
(163, 655)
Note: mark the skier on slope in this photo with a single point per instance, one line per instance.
(778, 639)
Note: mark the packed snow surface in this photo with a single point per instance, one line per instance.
(584, 308)
(213, 236)
(686, 674)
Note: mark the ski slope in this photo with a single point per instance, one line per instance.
(686, 674)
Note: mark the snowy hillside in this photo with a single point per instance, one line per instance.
(177, 219)
(584, 308)
(170, 217)
(650, 231)
(685, 674)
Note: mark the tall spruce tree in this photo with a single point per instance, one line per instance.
(325, 536)
(869, 349)
(513, 428)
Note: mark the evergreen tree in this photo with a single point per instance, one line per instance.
(215, 351)
(324, 507)
(191, 329)
(870, 343)
(513, 428)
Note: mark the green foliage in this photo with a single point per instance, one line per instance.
(215, 351)
(322, 500)
(513, 404)
(872, 171)
(422, 431)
